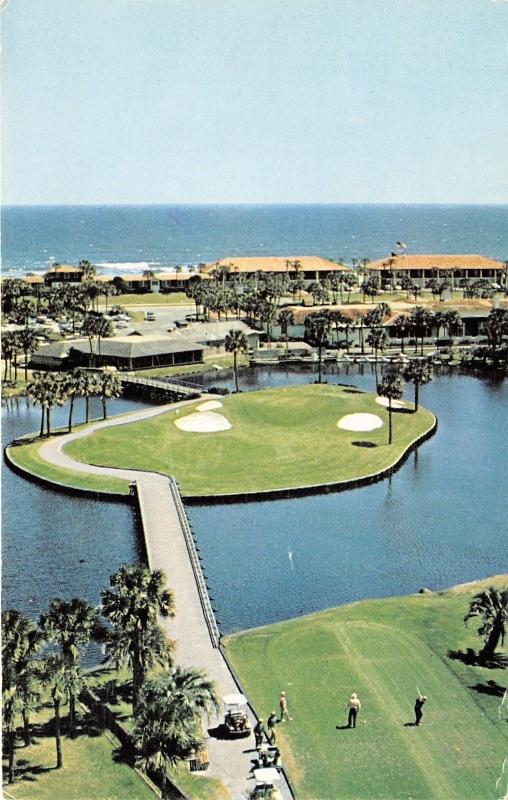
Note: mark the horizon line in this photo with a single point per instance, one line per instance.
(244, 204)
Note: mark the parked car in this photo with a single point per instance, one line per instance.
(150, 316)
(121, 323)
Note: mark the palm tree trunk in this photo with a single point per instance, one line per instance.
(235, 368)
(417, 387)
(48, 421)
(72, 713)
(389, 420)
(71, 409)
(492, 642)
(41, 432)
(26, 727)
(319, 359)
(87, 408)
(15, 367)
(104, 408)
(11, 737)
(402, 344)
(58, 738)
(25, 352)
(6, 364)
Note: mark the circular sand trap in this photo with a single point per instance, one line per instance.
(203, 422)
(383, 401)
(210, 405)
(360, 422)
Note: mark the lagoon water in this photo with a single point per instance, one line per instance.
(440, 520)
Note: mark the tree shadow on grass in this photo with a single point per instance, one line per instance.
(363, 444)
(27, 771)
(353, 391)
(123, 755)
(490, 687)
(497, 661)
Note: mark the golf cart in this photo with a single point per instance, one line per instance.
(236, 720)
(265, 779)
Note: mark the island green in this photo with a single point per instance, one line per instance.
(279, 438)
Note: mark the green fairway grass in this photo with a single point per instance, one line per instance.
(27, 457)
(383, 650)
(279, 438)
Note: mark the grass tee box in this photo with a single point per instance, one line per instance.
(385, 650)
(279, 438)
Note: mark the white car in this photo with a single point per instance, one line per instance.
(121, 323)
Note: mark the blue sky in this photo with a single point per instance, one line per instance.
(255, 101)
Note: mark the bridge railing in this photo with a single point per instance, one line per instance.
(196, 565)
(160, 383)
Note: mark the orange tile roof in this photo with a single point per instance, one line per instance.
(275, 264)
(430, 261)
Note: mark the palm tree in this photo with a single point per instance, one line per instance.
(72, 625)
(496, 328)
(28, 344)
(285, 319)
(21, 640)
(7, 353)
(109, 385)
(377, 340)
(420, 319)
(89, 387)
(492, 607)
(349, 280)
(168, 723)
(419, 373)
(72, 387)
(234, 342)
(391, 387)
(53, 675)
(317, 329)
(47, 390)
(402, 328)
(132, 605)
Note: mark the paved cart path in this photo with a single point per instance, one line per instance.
(230, 760)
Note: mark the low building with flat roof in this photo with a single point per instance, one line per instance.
(421, 268)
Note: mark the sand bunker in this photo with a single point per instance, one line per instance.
(210, 405)
(360, 422)
(383, 401)
(203, 422)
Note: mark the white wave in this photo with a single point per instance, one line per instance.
(125, 266)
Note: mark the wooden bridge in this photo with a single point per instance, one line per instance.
(159, 389)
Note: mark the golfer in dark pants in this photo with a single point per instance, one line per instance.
(419, 702)
(353, 707)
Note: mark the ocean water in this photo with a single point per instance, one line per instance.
(122, 238)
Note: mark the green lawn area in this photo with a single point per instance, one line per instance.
(279, 438)
(172, 299)
(383, 650)
(90, 768)
(27, 457)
